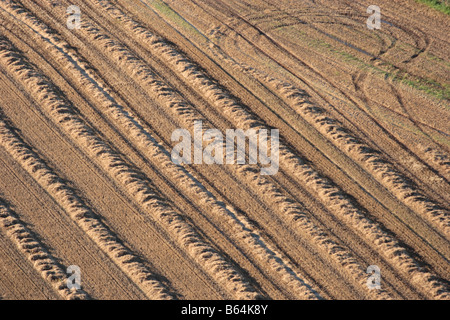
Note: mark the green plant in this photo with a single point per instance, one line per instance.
(441, 5)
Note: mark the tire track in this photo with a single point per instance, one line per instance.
(354, 102)
(370, 159)
(426, 235)
(440, 159)
(241, 180)
(251, 26)
(190, 69)
(120, 59)
(420, 37)
(129, 124)
(61, 112)
(354, 16)
(359, 81)
(168, 241)
(123, 198)
(154, 152)
(254, 185)
(184, 109)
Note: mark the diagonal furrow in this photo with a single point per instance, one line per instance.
(335, 199)
(59, 110)
(29, 245)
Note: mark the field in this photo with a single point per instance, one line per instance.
(88, 109)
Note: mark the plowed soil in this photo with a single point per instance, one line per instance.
(87, 179)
